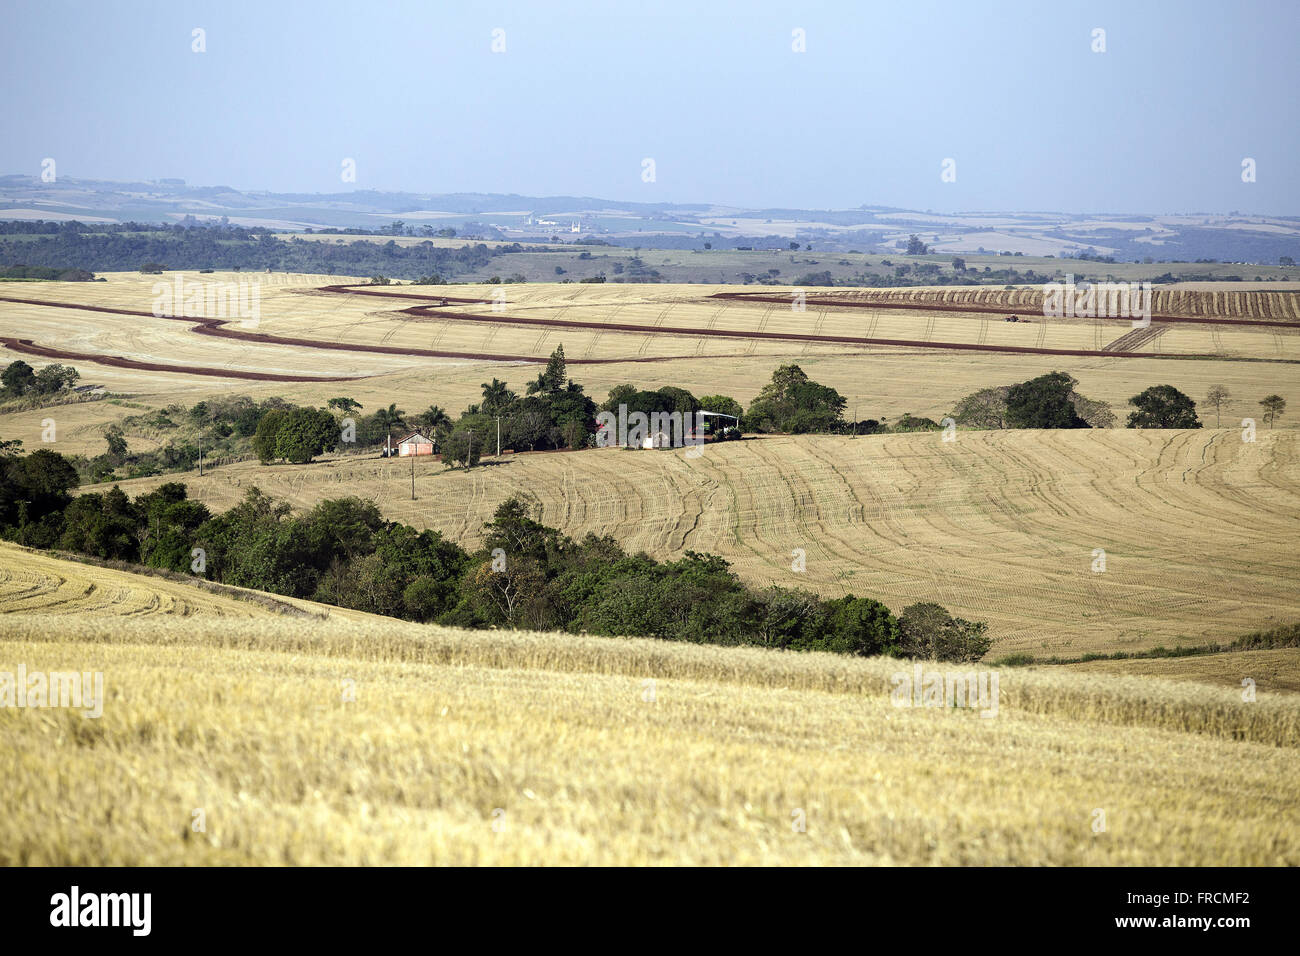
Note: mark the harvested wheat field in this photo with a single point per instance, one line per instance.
(316, 328)
(1272, 671)
(362, 742)
(38, 583)
(383, 345)
(879, 385)
(1198, 527)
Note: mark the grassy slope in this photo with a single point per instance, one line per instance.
(1276, 670)
(551, 738)
(1198, 527)
(38, 583)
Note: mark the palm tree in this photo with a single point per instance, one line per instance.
(390, 418)
(496, 397)
(435, 418)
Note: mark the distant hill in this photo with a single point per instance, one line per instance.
(1229, 237)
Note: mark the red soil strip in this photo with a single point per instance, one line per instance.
(31, 348)
(349, 290)
(434, 312)
(218, 327)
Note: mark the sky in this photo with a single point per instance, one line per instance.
(714, 93)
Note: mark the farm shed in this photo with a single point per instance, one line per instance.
(416, 444)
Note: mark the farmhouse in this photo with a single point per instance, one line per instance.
(659, 429)
(416, 444)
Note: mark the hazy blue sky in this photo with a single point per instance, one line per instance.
(713, 92)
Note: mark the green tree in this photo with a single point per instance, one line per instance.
(722, 404)
(118, 453)
(853, 625)
(343, 527)
(1162, 406)
(391, 417)
(986, 408)
(305, 433)
(554, 377)
(54, 378)
(502, 595)
(929, 632)
(435, 419)
(514, 529)
(345, 405)
(793, 403)
(34, 491)
(17, 378)
(619, 395)
(1043, 402)
(461, 446)
(167, 523)
(102, 525)
(497, 397)
(266, 438)
(1274, 406)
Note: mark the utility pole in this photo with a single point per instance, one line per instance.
(498, 436)
(469, 453)
(412, 477)
(200, 457)
(855, 419)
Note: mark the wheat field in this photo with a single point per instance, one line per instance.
(1276, 670)
(878, 381)
(32, 582)
(243, 728)
(39, 583)
(666, 322)
(1198, 527)
(281, 741)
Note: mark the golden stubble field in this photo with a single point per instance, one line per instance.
(44, 584)
(883, 382)
(285, 741)
(1199, 528)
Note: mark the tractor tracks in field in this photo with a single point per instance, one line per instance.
(439, 308)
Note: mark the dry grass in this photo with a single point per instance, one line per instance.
(1199, 528)
(38, 583)
(244, 717)
(1273, 671)
(550, 737)
(877, 380)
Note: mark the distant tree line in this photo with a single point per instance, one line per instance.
(1053, 401)
(125, 248)
(46, 273)
(19, 380)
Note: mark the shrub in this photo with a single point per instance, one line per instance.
(929, 632)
